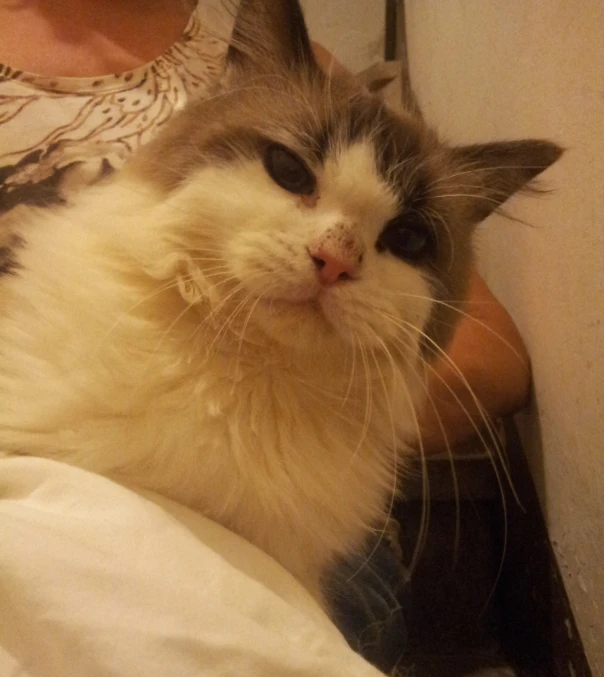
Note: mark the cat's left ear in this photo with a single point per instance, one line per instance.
(270, 35)
(488, 174)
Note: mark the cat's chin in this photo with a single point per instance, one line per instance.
(300, 324)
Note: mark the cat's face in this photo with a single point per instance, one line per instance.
(310, 211)
(316, 257)
(306, 216)
(307, 244)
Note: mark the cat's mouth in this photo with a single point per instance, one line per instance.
(284, 305)
(289, 313)
(299, 303)
(319, 309)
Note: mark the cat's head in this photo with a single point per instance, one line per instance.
(303, 206)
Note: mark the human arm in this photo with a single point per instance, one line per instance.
(486, 364)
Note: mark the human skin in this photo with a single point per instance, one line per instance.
(484, 374)
(86, 38)
(485, 371)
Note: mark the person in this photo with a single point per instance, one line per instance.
(83, 84)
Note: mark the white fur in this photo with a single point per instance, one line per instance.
(183, 343)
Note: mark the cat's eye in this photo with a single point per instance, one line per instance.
(288, 170)
(407, 238)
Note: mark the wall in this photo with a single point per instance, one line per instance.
(500, 69)
(353, 30)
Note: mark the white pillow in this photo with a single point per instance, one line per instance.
(97, 579)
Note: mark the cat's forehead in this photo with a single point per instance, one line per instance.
(342, 115)
(315, 119)
(351, 180)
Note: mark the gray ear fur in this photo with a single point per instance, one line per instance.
(495, 171)
(270, 34)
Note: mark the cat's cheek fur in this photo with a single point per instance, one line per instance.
(378, 315)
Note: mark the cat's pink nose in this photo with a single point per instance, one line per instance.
(331, 268)
(337, 254)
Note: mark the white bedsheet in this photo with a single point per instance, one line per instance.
(97, 580)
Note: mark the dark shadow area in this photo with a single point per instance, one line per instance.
(475, 606)
(538, 629)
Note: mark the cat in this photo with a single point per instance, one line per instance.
(240, 319)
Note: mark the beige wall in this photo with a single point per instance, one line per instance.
(353, 30)
(501, 69)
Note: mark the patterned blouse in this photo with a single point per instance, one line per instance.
(59, 133)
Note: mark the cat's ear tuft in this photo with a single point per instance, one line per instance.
(491, 173)
(270, 35)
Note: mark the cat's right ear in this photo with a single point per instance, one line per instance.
(270, 36)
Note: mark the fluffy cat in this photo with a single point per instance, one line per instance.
(240, 318)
